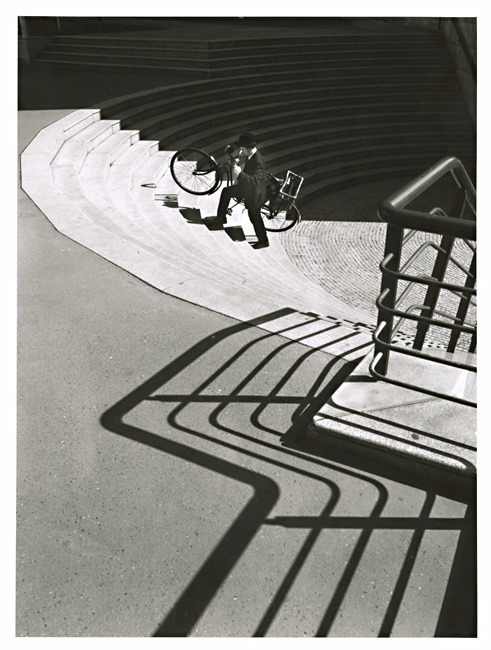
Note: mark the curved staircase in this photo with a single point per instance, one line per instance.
(103, 187)
(340, 108)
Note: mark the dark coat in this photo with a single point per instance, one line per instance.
(252, 181)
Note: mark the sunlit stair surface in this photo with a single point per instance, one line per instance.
(105, 188)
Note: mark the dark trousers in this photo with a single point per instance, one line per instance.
(253, 210)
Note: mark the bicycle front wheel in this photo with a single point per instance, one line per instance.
(195, 171)
(279, 221)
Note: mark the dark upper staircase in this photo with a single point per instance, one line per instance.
(354, 102)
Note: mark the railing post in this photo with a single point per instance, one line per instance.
(439, 270)
(393, 247)
(433, 291)
(464, 306)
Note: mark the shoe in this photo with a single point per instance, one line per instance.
(260, 244)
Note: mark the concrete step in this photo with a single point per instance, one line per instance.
(404, 421)
(49, 140)
(75, 149)
(98, 162)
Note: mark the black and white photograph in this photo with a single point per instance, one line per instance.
(244, 269)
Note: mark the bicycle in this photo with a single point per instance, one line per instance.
(197, 172)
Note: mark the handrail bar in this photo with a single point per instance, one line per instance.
(423, 279)
(411, 352)
(422, 182)
(419, 251)
(393, 210)
(430, 321)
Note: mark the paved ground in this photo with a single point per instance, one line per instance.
(340, 242)
(166, 484)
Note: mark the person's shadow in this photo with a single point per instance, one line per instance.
(193, 216)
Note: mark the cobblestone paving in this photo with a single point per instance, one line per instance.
(340, 242)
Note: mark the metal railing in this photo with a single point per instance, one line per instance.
(429, 275)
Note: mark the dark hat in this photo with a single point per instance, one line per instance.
(247, 140)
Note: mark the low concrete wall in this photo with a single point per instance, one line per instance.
(464, 73)
(29, 47)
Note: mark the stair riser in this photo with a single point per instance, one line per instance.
(129, 69)
(124, 41)
(317, 160)
(413, 39)
(339, 59)
(103, 59)
(322, 67)
(382, 120)
(277, 141)
(403, 171)
(199, 93)
(190, 50)
(363, 41)
(348, 45)
(328, 111)
(349, 153)
(144, 50)
(378, 165)
(240, 58)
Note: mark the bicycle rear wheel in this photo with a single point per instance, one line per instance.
(195, 171)
(281, 220)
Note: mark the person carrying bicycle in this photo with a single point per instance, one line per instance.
(250, 186)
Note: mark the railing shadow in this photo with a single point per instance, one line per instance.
(196, 597)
